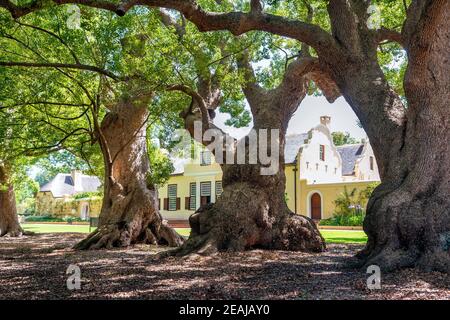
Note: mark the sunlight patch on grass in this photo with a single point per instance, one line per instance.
(331, 236)
(344, 236)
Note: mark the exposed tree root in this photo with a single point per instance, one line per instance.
(115, 235)
(232, 224)
(406, 231)
(15, 232)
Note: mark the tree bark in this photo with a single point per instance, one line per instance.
(252, 212)
(9, 222)
(408, 216)
(129, 212)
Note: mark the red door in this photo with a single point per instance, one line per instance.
(316, 207)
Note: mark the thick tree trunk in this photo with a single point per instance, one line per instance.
(130, 206)
(9, 223)
(408, 220)
(252, 212)
(408, 215)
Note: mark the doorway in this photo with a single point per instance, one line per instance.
(316, 206)
(85, 211)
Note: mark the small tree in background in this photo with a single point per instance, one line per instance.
(340, 138)
(350, 207)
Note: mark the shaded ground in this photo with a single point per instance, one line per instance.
(34, 267)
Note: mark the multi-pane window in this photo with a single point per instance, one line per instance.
(205, 158)
(192, 196)
(218, 188)
(371, 163)
(172, 195)
(322, 152)
(205, 192)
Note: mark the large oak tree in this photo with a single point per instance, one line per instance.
(111, 87)
(408, 215)
(251, 211)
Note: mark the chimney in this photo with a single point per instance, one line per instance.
(76, 178)
(325, 120)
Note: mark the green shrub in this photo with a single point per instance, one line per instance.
(42, 218)
(85, 195)
(342, 220)
(50, 218)
(27, 207)
(349, 209)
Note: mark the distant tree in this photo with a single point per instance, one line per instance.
(161, 167)
(340, 138)
(98, 91)
(58, 162)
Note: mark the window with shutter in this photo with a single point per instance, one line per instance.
(205, 192)
(218, 188)
(205, 188)
(193, 196)
(322, 152)
(205, 158)
(172, 194)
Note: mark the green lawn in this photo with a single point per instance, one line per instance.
(331, 236)
(344, 236)
(54, 228)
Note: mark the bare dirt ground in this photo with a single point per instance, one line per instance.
(34, 267)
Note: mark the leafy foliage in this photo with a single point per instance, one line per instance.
(161, 167)
(341, 138)
(350, 207)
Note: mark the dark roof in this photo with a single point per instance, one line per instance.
(293, 143)
(62, 184)
(349, 154)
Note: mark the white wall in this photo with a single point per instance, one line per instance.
(363, 171)
(312, 168)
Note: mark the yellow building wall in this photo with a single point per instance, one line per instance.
(66, 206)
(290, 187)
(182, 183)
(329, 192)
(193, 173)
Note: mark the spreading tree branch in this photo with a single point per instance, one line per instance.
(235, 22)
(60, 65)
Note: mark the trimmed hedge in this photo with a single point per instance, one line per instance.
(49, 218)
(344, 220)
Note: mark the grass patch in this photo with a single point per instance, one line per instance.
(344, 236)
(331, 236)
(55, 228)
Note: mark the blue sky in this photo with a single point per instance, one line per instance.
(307, 116)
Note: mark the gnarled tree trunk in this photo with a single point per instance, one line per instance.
(408, 214)
(9, 223)
(252, 212)
(130, 205)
